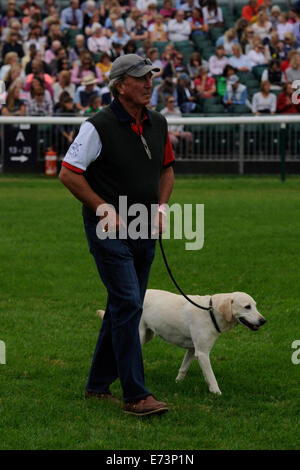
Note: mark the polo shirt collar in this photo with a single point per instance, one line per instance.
(124, 116)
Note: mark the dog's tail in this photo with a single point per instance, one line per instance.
(100, 313)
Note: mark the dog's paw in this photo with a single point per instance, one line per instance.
(179, 378)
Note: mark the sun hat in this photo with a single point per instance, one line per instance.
(89, 79)
(132, 65)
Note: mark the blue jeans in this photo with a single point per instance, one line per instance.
(124, 267)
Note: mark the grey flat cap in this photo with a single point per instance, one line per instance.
(131, 64)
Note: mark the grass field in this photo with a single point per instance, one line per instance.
(50, 292)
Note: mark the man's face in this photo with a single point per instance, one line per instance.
(180, 16)
(137, 90)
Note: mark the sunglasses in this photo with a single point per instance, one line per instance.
(139, 65)
(171, 101)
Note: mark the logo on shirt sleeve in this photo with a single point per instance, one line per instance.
(74, 149)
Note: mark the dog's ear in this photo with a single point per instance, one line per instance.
(226, 309)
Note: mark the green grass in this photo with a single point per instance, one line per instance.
(50, 292)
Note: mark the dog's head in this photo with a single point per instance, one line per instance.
(241, 307)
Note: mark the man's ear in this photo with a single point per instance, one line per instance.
(226, 309)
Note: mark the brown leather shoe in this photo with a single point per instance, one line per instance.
(147, 406)
(101, 396)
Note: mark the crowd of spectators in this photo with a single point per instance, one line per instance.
(57, 59)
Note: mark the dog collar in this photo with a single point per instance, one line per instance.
(212, 316)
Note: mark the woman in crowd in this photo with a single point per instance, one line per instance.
(228, 40)
(150, 13)
(162, 91)
(139, 32)
(262, 26)
(14, 106)
(95, 105)
(11, 58)
(194, 64)
(167, 10)
(86, 66)
(14, 73)
(275, 47)
(285, 104)
(12, 44)
(158, 30)
(258, 55)
(223, 80)
(293, 72)
(247, 39)
(176, 132)
(104, 65)
(98, 42)
(264, 102)
(238, 60)
(40, 102)
(186, 95)
(212, 14)
(218, 62)
(63, 84)
(120, 34)
(78, 49)
(205, 86)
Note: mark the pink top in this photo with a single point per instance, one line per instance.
(77, 79)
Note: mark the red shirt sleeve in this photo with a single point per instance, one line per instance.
(169, 157)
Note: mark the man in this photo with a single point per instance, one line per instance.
(178, 28)
(236, 93)
(71, 17)
(124, 149)
(85, 91)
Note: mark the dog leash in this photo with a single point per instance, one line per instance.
(209, 308)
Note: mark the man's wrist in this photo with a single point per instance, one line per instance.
(162, 208)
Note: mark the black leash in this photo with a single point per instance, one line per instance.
(209, 308)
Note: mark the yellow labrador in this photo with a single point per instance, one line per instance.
(177, 321)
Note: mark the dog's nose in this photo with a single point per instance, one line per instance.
(262, 321)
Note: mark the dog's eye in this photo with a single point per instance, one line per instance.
(248, 307)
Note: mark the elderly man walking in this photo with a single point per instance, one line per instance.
(123, 150)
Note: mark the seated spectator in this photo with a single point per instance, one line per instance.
(198, 27)
(14, 106)
(130, 21)
(223, 81)
(104, 65)
(65, 133)
(86, 66)
(218, 62)
(262, 26)
(176, 132)
(130, 47)
(35, 37)
(98, 42)
(286, 63)
(168, 53)
(50, 53)
(236, 93)
(285, 103)
(162, 91)
(12, 44)
(153, 55)
(186, 96)
(228, 40)
(13, 74)
(238, 60)
(194, 64)
(289, 44)
(40, 102)
(150, 14)
(178, 28)
(175, 66)
(116, 50)
(85, 91)
(71, 17)
(95, 105)
(189, 5)
(240, 26)
(120, 36)
(275, 47)
(88, 10)
(258, 55)
(296, 29)
(126, 6)
(115, 14)
(63, 84)
(247, 39)
(158, 30)
(35, 57)
(274, 75)
(142, 5)
(275, 15)
(55, 34)
(38, 71)
(284, 26)
(204, 85)
(293, 72)
(139, 32)
(167, 11)
(212, 14)
(249, 11)
(264, 102)
(78, 49)
(94, 19)
(11, 58)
